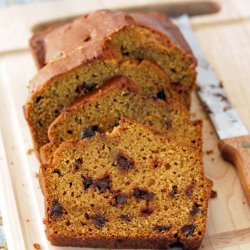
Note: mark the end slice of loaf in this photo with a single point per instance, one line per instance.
(101, 111)
(150, 36)
(132, 188)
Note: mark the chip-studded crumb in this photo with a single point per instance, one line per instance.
(116, 99)
(117, 195)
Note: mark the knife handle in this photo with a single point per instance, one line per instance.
(237, 151)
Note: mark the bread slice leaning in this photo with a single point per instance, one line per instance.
(101, 111)
(60, 83)
(132, 188)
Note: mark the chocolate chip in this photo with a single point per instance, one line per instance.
(125, 217)
(155, 163)
(143, 194)
(70, 132)
(124, 51)
(89, 132)
(38, 99)
(103, 184)
(86, 216)
(188, 229)
(120, 199)
(57, 171)
(56, 209)
(189, 189)
(213, 194)
(195, 209)
(79, 88)
(147, 211)
(161, 228)
(95, 128)
(123, 162)
(88, 38)
(40, 123)
(87, 182)
(98, 220)
(115, 124)
(161, 95)
(174, 190)
(86, 87)
(77, 164)
(168, 124)
(56, 112)
(177, 85)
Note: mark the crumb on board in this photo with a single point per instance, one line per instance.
(37, 246)
(11, 163)
(212, 159)
(27, 220)
(221, 84)
(36, 174)
(30, 151)
(244, 203)
(211, 132)
(213, 194)
(209, 152)
(193, 114)
(226, 108)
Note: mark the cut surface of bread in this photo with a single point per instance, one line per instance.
(150, 36)
(132, 188)
(101, 111)
(53, 94)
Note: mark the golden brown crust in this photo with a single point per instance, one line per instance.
(121, 242)
(67, 64)
(87, 31)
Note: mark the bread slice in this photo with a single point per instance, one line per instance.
(61, 82)
(132, 188)
(150, 36)
(101, 111)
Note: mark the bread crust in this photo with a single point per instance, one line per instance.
(63, 40)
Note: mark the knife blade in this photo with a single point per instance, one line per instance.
(234, 138)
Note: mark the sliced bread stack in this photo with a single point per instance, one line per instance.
(108, 113)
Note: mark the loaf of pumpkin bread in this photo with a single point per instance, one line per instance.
(132, 188)
(101, 110)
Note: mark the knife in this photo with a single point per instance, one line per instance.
(234, 138)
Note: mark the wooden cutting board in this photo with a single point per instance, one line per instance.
(224, 37)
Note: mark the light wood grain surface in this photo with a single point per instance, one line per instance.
(225, 39)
